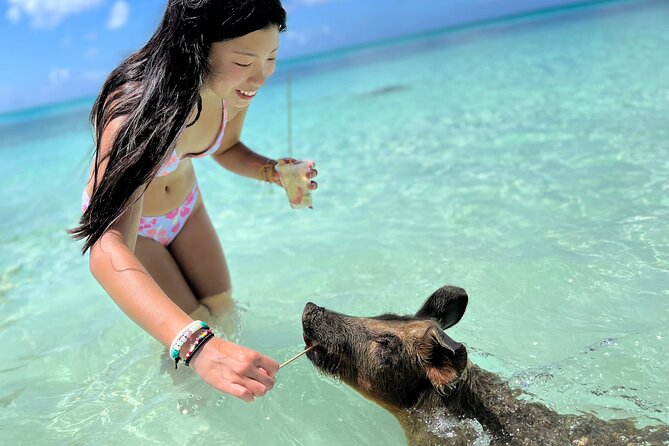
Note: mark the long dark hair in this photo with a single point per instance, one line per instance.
(155, 90)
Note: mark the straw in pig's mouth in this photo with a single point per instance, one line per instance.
(309, 345)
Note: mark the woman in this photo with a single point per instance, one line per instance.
(152, 245)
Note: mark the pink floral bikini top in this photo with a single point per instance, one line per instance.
(174, 160)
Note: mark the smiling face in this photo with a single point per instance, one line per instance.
(239, 67)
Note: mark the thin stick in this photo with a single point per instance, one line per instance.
(289, 113)
(295, 357)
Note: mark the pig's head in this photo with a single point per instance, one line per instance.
(390, 359)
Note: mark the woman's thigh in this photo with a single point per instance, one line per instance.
(198, 252)
(161, 266)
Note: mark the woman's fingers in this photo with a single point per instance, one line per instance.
(256, 388)
(239, 391)
(270, 366)
(230, 368)
(263, 372)
(313, 173)
(256, 382)
(260, 377)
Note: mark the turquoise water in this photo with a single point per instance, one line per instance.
(526, 162)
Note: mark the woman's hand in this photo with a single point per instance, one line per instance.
(233, 369)
(311, 173)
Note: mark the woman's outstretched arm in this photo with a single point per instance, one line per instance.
(223, 365)
(121, 274)
(227, 367)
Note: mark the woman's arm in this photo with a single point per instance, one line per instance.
(124, 278)
(113, 263)
(225, 366)
(234, 155)
(117, 269)
(242, 161)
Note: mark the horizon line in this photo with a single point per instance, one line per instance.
(37, 111)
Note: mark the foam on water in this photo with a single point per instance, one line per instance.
(526, 162)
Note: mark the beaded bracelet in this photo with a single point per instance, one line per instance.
(199, 342)
(193, 347)
(183, 336)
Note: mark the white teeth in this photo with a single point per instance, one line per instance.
(249, 93)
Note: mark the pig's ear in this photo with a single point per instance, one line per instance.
(446, 305)
(443, 358)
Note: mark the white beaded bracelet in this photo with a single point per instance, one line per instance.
(183, 336)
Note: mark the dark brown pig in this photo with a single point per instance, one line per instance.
(409, 366)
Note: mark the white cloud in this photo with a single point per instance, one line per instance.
(14, 15)
(91, 52)
(58, 75)
(47, 13)
(119, 15)
(94, 75)
(299, 37)
(304, 36)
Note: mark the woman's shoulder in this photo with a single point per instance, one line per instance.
(107, 134)
(113, 107)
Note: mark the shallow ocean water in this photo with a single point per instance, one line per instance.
(526, 161)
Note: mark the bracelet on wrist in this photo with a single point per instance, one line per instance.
(183, 336)
(198, 344)
(268, 171)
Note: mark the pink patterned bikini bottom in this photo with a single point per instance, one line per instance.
(162, 228)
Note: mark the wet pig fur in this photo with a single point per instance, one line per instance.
(412, 368)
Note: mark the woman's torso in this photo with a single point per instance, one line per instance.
(166, 193)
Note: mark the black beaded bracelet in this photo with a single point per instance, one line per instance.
(198, 347)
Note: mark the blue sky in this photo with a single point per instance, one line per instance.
(58, 50)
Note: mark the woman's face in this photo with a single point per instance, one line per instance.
(239, 67)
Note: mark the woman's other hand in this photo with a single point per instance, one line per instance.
(311, 173)
(233, 369)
